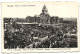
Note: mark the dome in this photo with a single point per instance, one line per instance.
(44, 8)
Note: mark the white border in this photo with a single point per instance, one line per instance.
(39, 0)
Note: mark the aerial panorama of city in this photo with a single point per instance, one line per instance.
(40, 31)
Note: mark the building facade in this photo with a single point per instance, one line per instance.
(43, 18)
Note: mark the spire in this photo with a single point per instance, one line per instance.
(44, 8)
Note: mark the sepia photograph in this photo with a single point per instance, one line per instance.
(50, 25)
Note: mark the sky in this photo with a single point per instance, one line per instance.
(24, 9)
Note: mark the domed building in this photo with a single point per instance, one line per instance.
(44, 16)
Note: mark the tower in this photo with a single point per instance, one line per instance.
(44, 16)
(44, 10)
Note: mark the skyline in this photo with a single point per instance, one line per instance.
(60, 9)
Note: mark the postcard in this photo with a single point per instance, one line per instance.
(40, 26)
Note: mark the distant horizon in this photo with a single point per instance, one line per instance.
(50, 16)
(70, 19)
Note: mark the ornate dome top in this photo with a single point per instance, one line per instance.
(44, 7)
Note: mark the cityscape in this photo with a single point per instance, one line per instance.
(40, 31)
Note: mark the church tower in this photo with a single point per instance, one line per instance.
(44, 16)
